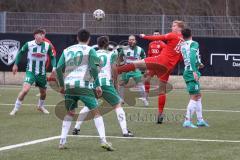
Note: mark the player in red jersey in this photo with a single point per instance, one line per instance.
(163, 63)
(154, 49)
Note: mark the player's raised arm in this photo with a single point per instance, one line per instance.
(22, 51)
(164, 37)
(153, 37)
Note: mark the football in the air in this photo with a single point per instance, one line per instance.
(98, 14)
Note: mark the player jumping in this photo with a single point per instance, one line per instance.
(154, 49)
(164, 63)
(37, 51)
(191, 75)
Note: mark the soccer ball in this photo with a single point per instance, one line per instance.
(98, 14)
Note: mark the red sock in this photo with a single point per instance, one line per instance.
(161, 102)
(126, 68)
(147, 86)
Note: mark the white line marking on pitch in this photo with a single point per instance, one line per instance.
(116, 137)
(145, 108)
(28, 143)
(162, 139)
(9, 87)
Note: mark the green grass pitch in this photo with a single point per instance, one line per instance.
(220, 110)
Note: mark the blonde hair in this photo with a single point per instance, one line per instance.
(180, 24)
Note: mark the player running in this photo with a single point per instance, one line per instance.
(163, 63)
(129, 54)
(37, 51)
(191, 75)
(107, 83)
(154, 49)
(80, 62)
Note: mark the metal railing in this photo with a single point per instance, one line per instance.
(2, 22)
(117, 24)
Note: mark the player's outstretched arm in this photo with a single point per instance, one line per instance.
(153, 38)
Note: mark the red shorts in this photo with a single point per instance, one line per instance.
(161, 77)
(161, 61)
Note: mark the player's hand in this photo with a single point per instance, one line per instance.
(14, 69)
(201, 66)
(195, 76)
(142, 35)
(54, 73)
(99, 91)
(52, 76)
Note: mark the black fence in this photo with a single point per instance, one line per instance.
(221, 56)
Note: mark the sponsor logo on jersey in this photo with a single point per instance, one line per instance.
(8, 50)
(155, 50)
(235, 58)
(38, 55)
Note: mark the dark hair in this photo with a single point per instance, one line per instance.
(103, 42)
(156, 30)
(187, 33)
(39, 30)
(83, 35)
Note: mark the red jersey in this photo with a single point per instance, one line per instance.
(155, 48)
(171, 52)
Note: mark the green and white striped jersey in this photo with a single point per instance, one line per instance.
(107, 58)
(132, 54)
(36, 56)
(80, 62)
(191, 57)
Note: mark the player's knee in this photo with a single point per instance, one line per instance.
(96, 113)
(121, 83)
(117, 106)
(43, 95)
(25, 91)
(194, 97)
(140, 64)
(162, 90)
(42, 91)
(199, 96)
(71, 113)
